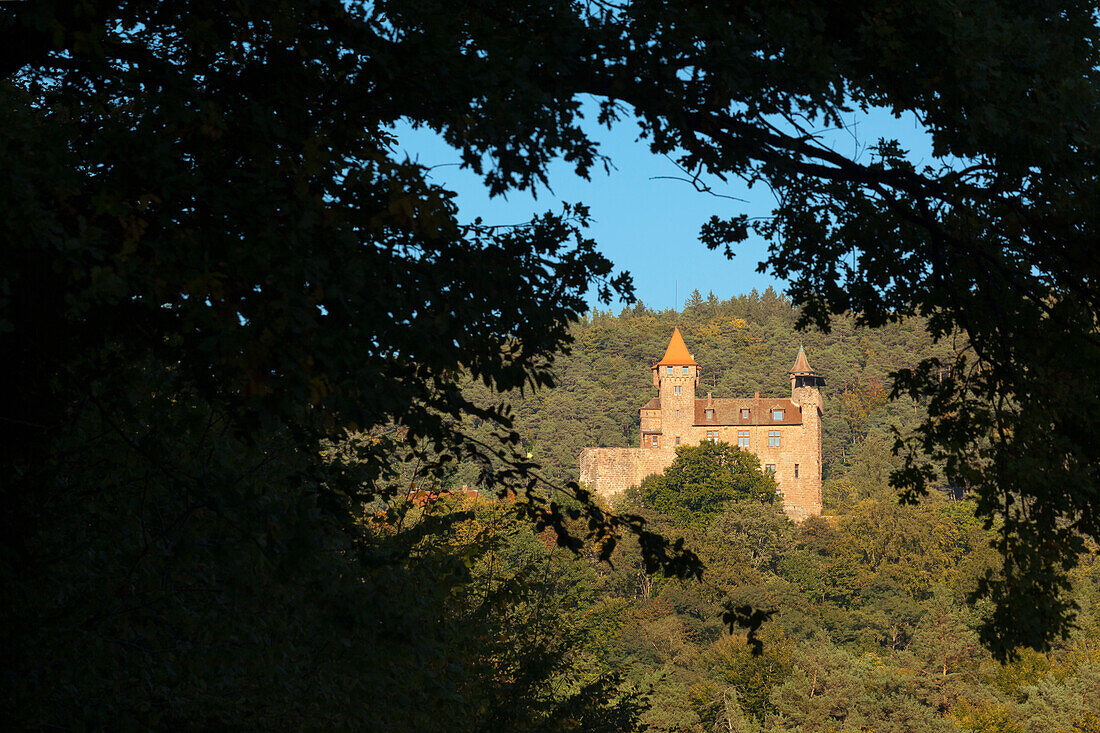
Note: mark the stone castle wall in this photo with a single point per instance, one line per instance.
(677, 410)
(608, 471)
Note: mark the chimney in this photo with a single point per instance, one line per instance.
(756, 396)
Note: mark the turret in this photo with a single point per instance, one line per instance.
(802, 374)
(804, 497)
(806, 388)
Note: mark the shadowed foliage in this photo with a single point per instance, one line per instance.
(216, 266)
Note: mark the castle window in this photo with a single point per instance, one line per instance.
(796, 470)
(773, 438)
(769, 467)
(654, 439)
(668, 370)
(685, 370)
(677, 440)
(712, 436)
(710, 414)
(742, 438)
(777, 414)
(676, 389)
(677, 413)
(744, 414)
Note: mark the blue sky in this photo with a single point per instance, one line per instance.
(644, 220)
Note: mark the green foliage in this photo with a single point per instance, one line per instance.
(703, 478)
(216, 265)
(872, 630)
(751, 677)
(504, 618)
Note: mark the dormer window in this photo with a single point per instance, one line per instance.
(777, 414)
(709, 414)
(745, 414)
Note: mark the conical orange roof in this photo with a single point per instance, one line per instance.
(677, 352)
(801, 363)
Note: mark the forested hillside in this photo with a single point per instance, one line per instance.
(872, 627)
(871, 630)
(745, 344)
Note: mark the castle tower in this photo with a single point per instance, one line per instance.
(804, 493)
(675, 377)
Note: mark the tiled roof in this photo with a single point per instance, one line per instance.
(801, 363)
(677, 352)
(728, 411)
(653, 404)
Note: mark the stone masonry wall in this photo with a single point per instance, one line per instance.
(607, 471)
(802, 497)
(677, 410)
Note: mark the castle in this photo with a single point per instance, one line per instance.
(784, 433)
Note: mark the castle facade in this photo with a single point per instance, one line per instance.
(784, 433)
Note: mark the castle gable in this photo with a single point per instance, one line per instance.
(761, 409)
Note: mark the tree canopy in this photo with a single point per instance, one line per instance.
(703, 478)
(216, 264)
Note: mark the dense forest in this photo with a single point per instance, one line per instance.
(872, 627)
